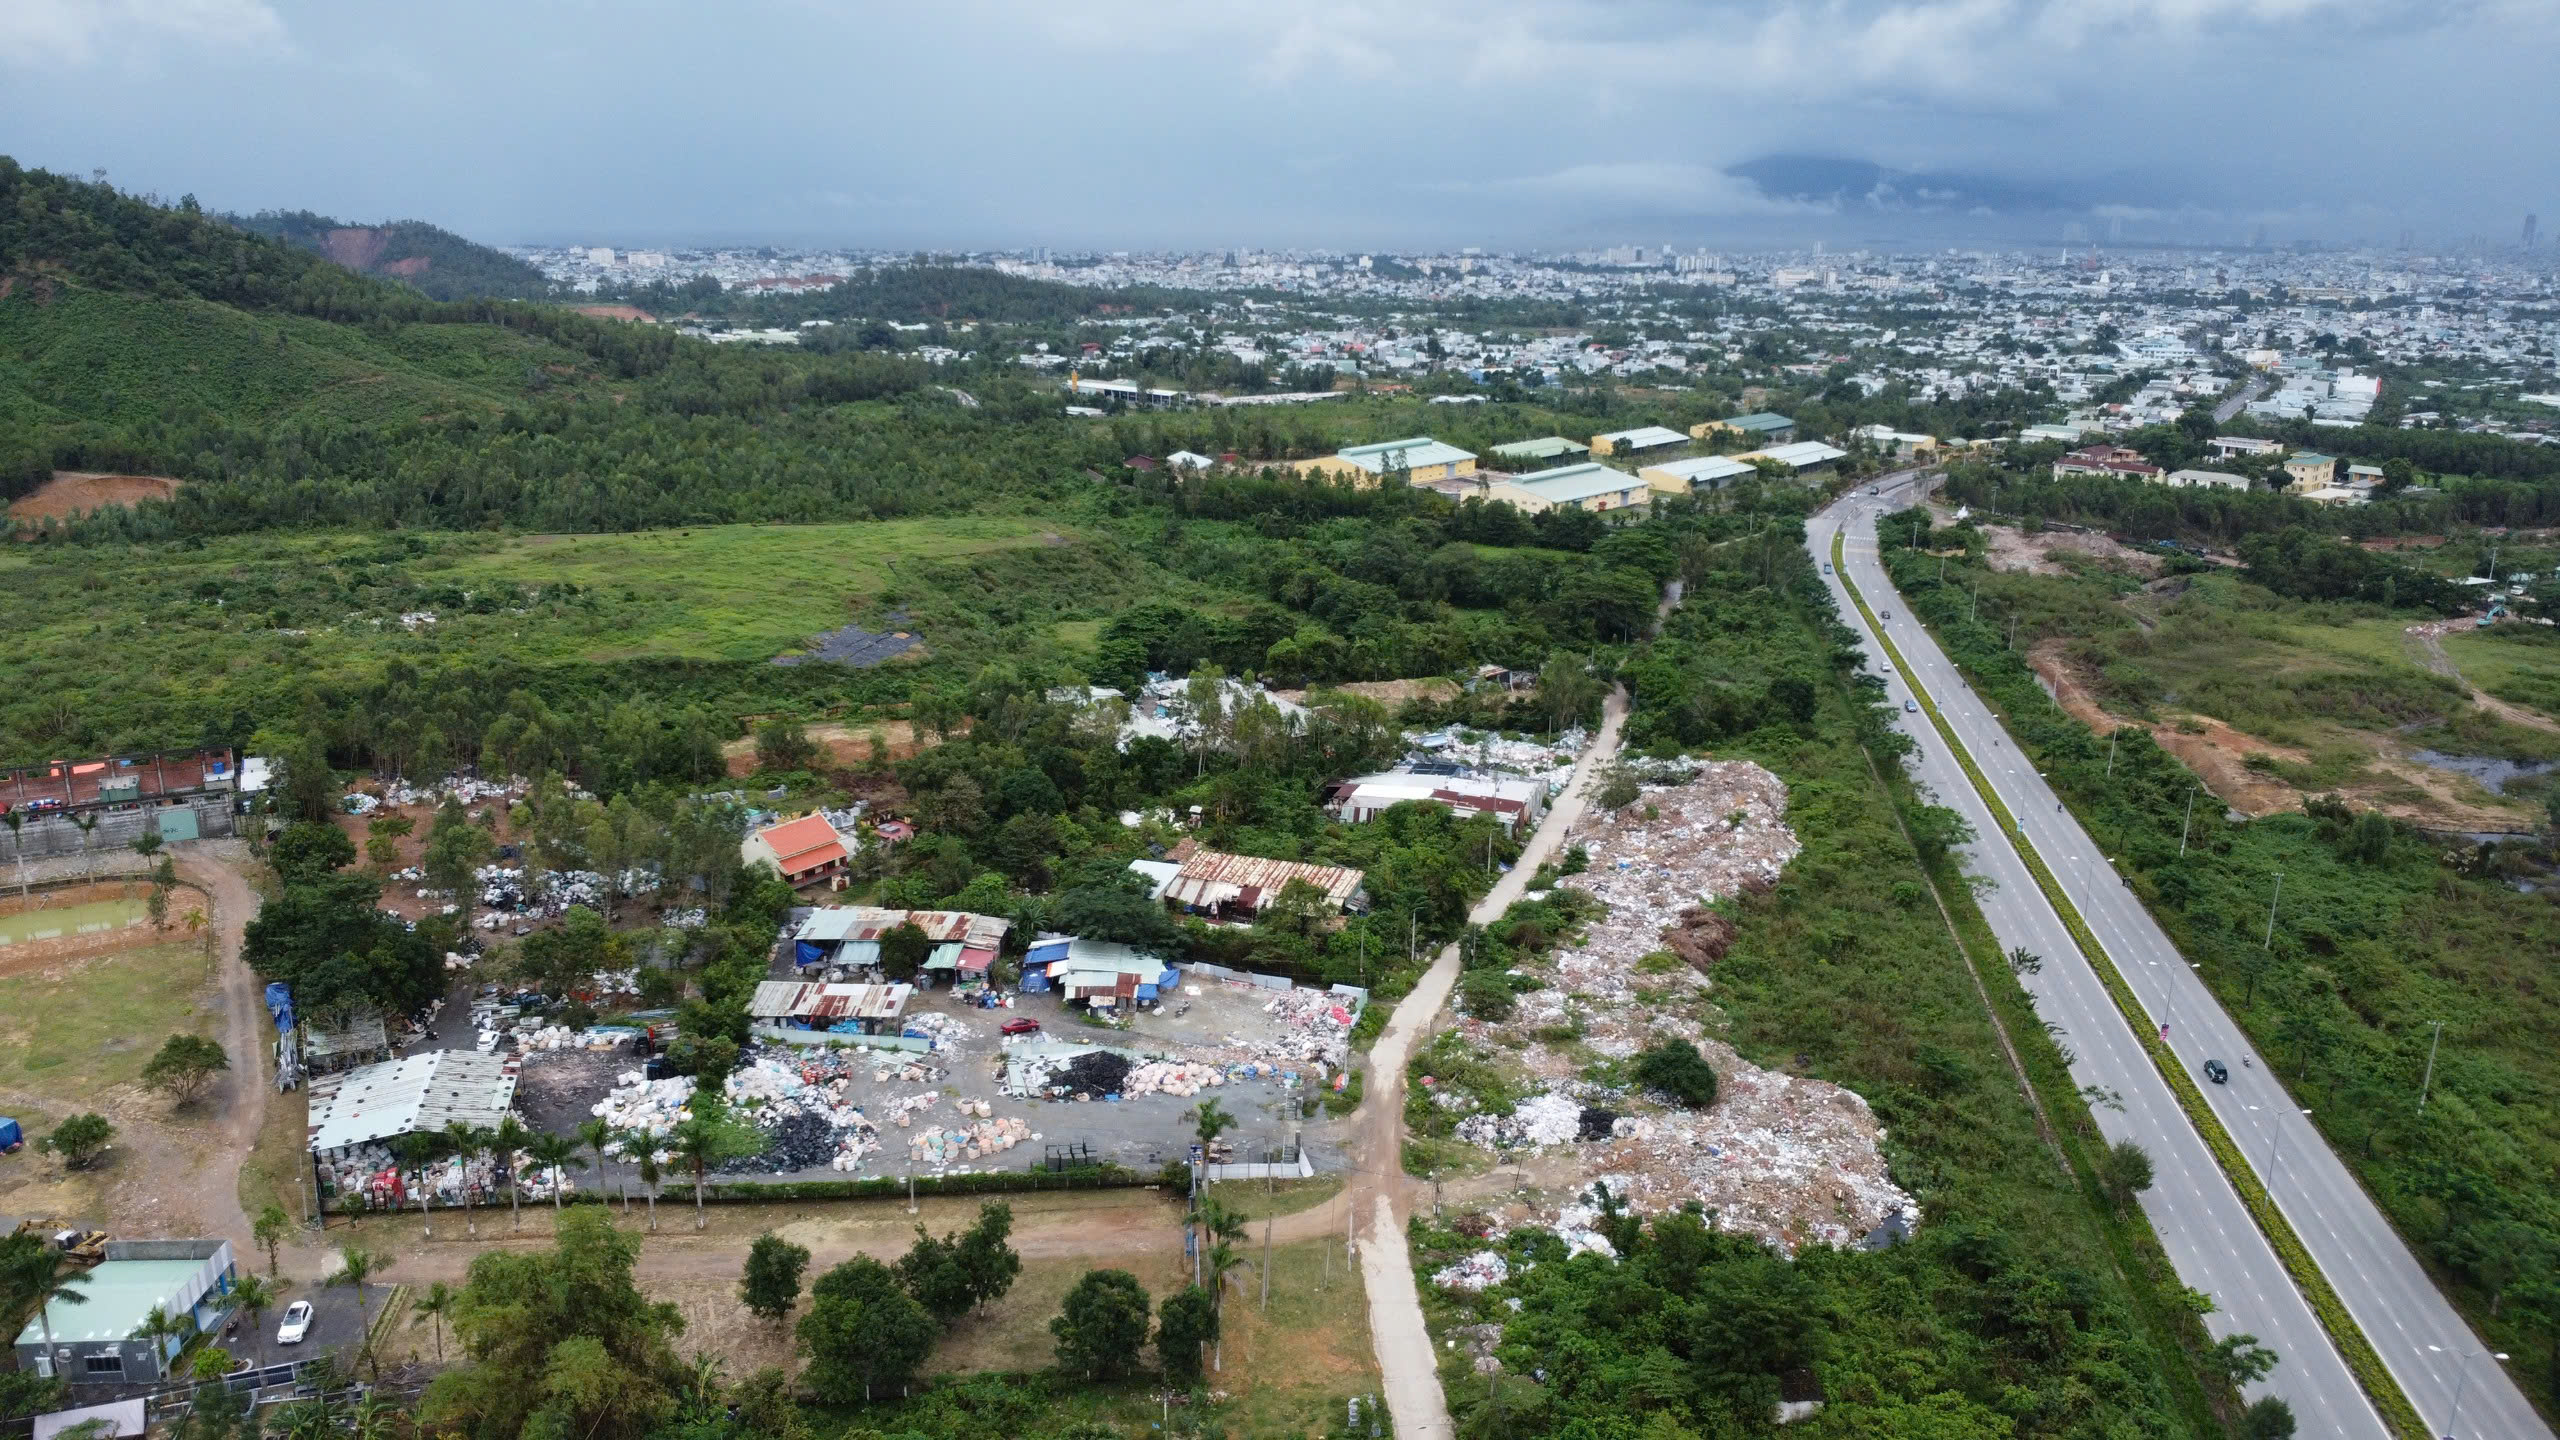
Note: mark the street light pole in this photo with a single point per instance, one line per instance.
(2461, 1380)
(2430, 1079)
(2270, 942)
(2111, 754)
(2189, 820)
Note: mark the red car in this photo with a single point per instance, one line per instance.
(1021, 1025)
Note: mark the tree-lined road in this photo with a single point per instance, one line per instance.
(2210, 1238)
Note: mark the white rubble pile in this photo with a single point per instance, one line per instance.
(638, 1103)
(693, 919)
(943, 1146)
(1791, 1161)
(940, 1028)
(464, 788)
(1172, 1077)
(617, 982)
(1478, 1272)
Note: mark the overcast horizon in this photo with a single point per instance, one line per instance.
(993, 124)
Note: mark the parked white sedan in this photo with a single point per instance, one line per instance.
(297, 1323)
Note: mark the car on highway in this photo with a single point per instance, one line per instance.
(1020, 1025)
(1888, 614)
(2217, 1072)
(1826, 567)
(296, 1326)
(1910, 707)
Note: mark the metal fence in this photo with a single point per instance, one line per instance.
(42, 836)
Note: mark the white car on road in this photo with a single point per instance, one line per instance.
(297, 1323)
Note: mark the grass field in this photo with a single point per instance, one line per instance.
(73, 1032)
(2519, 664)
(174, 641)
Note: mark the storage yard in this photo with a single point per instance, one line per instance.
(1790, 1160)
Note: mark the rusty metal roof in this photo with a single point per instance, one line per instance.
(1212, 877)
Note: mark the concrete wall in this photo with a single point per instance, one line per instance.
(56, 835)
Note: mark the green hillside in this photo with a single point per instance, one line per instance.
(114, 359)
(429, 258)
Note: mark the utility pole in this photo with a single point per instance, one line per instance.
(2111, 754)
(1266, 1264)
(2182, 825)
(2270, 942)
(1977, 603)
(2430, 1080)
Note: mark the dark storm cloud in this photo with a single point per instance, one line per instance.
(1346, 122)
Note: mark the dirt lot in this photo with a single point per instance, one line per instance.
(847, 746)
(2014, 550)
(77, 492)
(51, 926)
(1388, 692)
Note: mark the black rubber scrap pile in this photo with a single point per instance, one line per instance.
(800, 1142)
(1097, 1072)
(1596, 1124)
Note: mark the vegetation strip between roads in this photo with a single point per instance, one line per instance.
(2379, 1383)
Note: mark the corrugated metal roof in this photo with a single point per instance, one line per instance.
(1211, 877)
(1579, 482)
(1703, 467)
(802, 1000)
(1801, 453)
(408, 1095)
(1645, 437)
(1413, 454)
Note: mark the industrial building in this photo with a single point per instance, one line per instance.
(93, 1342)
(1702, 475)
(1552, 447)
(1513, 802)
(1896, 444)
(1802, 457)
(1420, 460)
(1643, 437)
(416, 1094)
(1587, 486)
(1761, 428)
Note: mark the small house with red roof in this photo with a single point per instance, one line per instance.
(807, 850)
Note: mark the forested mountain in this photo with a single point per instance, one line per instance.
(429, 258)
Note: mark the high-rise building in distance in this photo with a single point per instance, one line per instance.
(2532, 223)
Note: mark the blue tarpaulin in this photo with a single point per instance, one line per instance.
(280, 1005)
(809, 954)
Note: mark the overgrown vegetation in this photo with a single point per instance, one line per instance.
(2379, 934)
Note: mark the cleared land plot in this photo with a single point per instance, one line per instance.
(78, 492)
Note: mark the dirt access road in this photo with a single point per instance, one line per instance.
(2428, 641)
(238, 1101)
(1379, 1189)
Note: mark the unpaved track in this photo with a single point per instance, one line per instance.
(1379, 1192)
(2429, 641)
(237, 1105)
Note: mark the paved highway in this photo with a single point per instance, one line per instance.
(2209, 1237)
(2223, 412)
(2202, 1224)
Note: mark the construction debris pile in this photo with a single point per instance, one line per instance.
(939, 1028)
(547, 894)
(639, 1103)
(1093, 1073)
(456, 787)
(1478, 1272)
(1789, 1160)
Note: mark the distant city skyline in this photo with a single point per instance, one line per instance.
(1124, 124)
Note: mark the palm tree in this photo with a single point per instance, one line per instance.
(595, 1135)
(357, 1265)
(700, 1142)
(439, 1301)
(374, 1418)
(418, 1152)
(157, 1327)
(509, 1138)
(255, 1297)
(557, 1154)
(642, 1147)
(36, 1279)
(469, 1142)
(1222, 1258)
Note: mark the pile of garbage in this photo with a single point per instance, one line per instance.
(943, 1146)
(1095, 1072)
(939, 1028)
(617, 982)
(1476, 1273)
(514, 890)
(1171, 1077)
(460, 787)
(693, 919)
(1548, 1119)
(639, 1103)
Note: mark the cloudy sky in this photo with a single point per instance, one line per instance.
(1344, 123)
